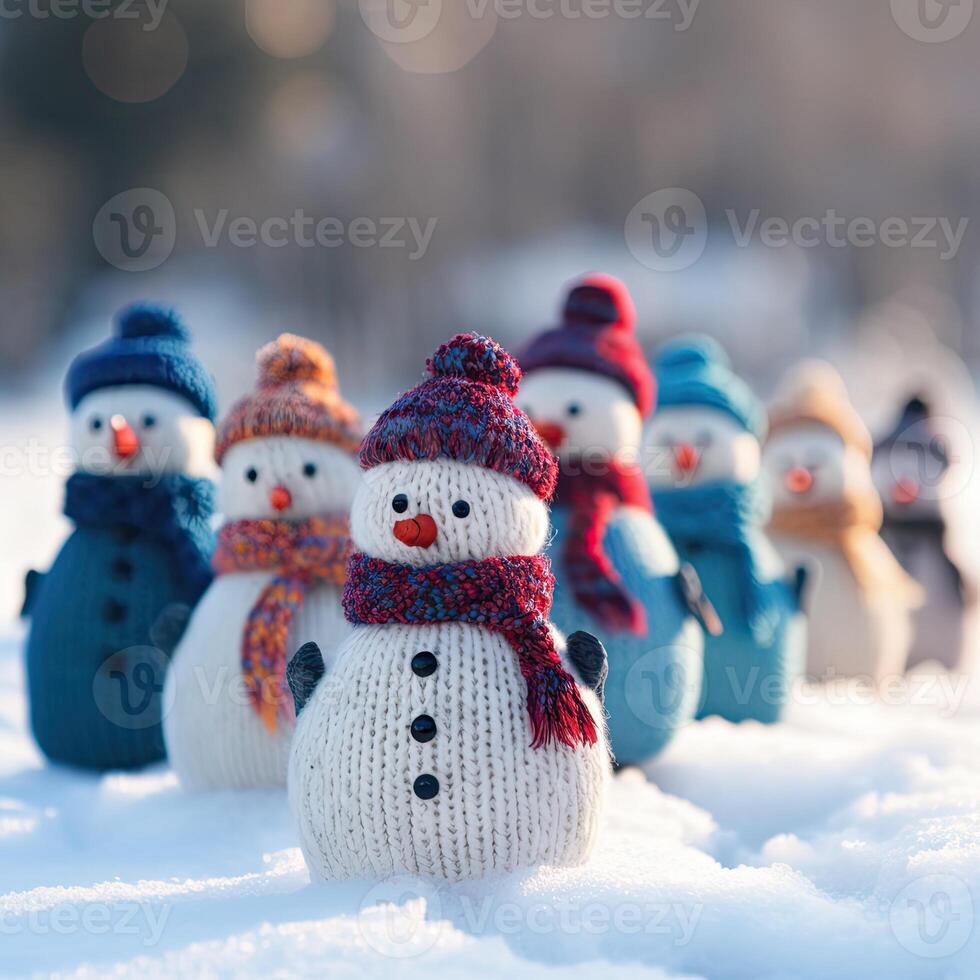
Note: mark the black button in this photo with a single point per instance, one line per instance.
(424, 663)
(113, 611)
(127, 533)
(426, 787)
(122, 569)
(424, 728)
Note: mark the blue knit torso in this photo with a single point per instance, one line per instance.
(104, 620)
(654, 680)
(748, 670)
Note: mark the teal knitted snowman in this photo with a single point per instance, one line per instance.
(702, 456)
(106, 617)
(587, 388)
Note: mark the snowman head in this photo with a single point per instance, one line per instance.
(288, 449)
(709, 423)
(587, 386)
(141, 404)
(140, 430)
(454, 470)
(818, 450)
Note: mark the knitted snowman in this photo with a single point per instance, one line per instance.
(456, 736)
(827, 514)
(105, 618)
(702, 455)
(587, 388)
(289, 471)
(917, 469)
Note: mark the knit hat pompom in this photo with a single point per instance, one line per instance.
(597, 333)
(692, 353)
(695, 371)
(296, 395)
(476, 358)
(289, 359)
(813, 391)
(147, 320)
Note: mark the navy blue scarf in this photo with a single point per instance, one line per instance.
(726, 515)
(173, 508)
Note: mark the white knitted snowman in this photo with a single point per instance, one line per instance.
(456, 735)
(288, 477)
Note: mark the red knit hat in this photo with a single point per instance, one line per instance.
(465, 412)
(597, 333)
(296, 395)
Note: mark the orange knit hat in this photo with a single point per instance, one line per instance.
(296, 395)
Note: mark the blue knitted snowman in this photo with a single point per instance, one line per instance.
(702, 456)
(587, 387)
(106, 617)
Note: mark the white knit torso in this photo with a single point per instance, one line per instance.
(501, 804)
(215, 739)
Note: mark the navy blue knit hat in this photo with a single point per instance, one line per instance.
(150, 347)
(695, 370)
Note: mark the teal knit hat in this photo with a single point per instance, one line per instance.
(695, 370)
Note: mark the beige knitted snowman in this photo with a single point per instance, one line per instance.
(289, 471)
(457, 734)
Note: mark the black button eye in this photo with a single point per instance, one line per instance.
(574, 409)
(461, 508)
(399, 503)
(309, 469)
(251, 474)
(95, 423)
(149, 421)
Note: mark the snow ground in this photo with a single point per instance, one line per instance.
(843, 843)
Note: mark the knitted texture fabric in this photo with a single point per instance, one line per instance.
(694, 371)
(150, 347)
(301, 553)
(173, 509)
(507, 595)
(727, 516)
(465, 412)
(592, 499)
(297, 395)
(814, 393)
(597, 333)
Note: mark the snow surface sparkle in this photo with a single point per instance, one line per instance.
(843, 843)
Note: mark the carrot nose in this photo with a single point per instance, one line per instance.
(686, 457)
(552, 433)
(280, 498)
(905, 490)
(416, 532)
(125, 442)
(798, 479)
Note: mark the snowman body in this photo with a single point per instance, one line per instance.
(697, 450)
(414, 753)
(107, 614)
(655, 678)
(215, 737)
(851, 632)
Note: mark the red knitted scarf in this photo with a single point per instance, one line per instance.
(510, 596)
(302, 554)
(591, 501)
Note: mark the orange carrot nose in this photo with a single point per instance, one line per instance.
(280, 498)
(552, 433)
(905, 490)
(416, 532)
(798, 480)
(686, 457)
(125, 442)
